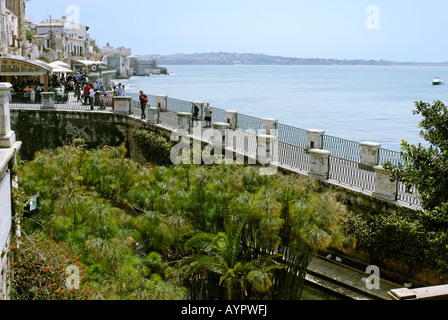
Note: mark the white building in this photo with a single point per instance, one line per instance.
(10, 38)
(63, 40)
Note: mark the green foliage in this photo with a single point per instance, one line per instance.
(390, 236)
(426, 168)
(155, 148)
(237, 233)
(40, 270)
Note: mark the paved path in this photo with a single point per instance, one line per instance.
(346, 280)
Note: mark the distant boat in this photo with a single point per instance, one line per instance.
(436, 81)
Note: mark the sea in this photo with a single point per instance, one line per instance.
(358, 103)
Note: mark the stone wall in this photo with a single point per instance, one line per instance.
(49, 129)
(8, 149)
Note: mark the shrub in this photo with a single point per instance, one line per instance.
(155, 148)
(45, 269)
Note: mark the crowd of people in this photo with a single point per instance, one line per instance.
(85, 92)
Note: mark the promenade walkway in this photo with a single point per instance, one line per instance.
(347, 281)
(344, 167)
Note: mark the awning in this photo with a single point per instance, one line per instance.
(60, 67)
(60, 64)
(62, 70)
(87, 63)
(19, 66)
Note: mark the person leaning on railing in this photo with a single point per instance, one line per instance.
(143, 102)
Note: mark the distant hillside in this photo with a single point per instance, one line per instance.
(224, 58)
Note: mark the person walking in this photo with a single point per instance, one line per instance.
(208, 115)
(143, 102)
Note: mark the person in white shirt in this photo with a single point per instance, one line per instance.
(91, 96)
(120, 90)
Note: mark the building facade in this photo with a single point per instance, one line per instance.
(60, 39)
(8, 151)
(12, 30)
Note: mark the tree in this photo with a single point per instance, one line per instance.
(221, 254)
(426, 168)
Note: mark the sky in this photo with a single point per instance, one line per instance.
(393, 30)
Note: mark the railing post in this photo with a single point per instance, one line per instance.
(200, 104)
(109, 98)
(7, 136)
(122, 104)
(267, 153)
(33, 96)
(369, 153)
(269, 125)
(47, 100)
(266, 148)
(231, 117)
(319, 163)
(162, 102)
(153, 115)
(184, 122)
(314, 139)
(222, 128)
(384, 189)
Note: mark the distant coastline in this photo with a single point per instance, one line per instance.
(225, 58)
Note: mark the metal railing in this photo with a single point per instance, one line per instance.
(344, 162)
(352, 173)
(342, 148)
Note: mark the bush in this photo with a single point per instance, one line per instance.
(42, 267)
(155, 148)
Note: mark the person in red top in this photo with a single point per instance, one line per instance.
(86, 90)
(143, 102)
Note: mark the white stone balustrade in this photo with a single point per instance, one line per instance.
(122, 105)
(231, 117)
(384, 189)
(47, 100)
(153, 115)
(220, 133)
(7, 136)
(269, 125)
(266, 151)
(369, 152)
(319, 163)
(161, 102)
(184, 122)
(314, 139)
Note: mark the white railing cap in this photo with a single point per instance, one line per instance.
(315, 131)
(5, 86)
(370, 144)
